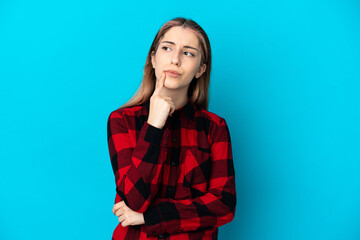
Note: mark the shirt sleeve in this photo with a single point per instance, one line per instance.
(213, 209)
(136, 169)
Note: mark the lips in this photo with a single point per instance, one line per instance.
(172, 73)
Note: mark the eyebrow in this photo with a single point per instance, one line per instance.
(172, 43)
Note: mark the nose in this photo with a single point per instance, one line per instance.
(175, 58)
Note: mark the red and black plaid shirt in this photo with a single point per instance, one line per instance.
(181, 177)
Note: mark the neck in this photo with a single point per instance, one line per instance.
(179, 97)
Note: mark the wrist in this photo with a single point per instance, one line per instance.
(142, 220)
(155, 124)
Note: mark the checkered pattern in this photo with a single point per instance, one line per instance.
(181, 176)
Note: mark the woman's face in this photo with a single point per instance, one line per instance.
(179, 55)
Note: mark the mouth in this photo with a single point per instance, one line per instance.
(172, 73)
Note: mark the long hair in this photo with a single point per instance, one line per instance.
(198, 92)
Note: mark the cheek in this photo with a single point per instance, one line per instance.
(193, 65)
(194, 70)
(160, 61)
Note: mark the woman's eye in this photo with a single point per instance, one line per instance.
(186, 53)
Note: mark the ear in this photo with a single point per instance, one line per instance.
(153, 59)
(201, 70)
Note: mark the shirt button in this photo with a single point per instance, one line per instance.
(173, 139)
(173, 163)
(161, 235)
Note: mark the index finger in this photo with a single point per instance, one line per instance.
(160, 83)
(117, 206)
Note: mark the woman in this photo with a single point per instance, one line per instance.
(172, 158)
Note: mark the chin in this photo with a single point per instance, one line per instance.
(172, 87)
(171, 84)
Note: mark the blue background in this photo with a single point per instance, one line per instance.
(285, 77)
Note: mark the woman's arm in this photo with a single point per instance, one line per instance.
(136, 169)
(215, 208)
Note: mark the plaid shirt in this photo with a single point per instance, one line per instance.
(181, 177)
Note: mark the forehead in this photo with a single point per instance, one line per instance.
(181, 36)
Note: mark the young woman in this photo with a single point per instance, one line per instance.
(172, 159)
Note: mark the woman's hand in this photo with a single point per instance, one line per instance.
(126, 215)
(160, 106)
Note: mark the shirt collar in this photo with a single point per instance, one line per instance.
(188, 109)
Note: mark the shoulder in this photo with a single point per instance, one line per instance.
(124, 118)
(216, 126)
(127, 111)
(212, 117)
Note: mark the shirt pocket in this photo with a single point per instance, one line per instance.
(197, 170)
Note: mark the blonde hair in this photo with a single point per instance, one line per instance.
(198, 92)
